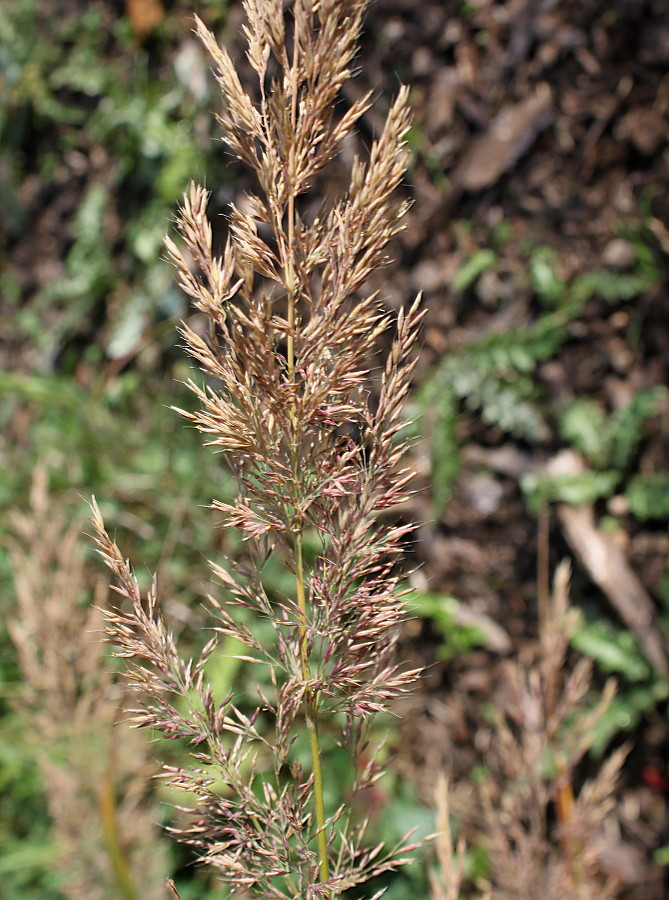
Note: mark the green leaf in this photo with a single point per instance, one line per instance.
(584, 425)
(508, 406)
(626, 709)
(441, 609)
(613, 649)
(627, 424)
(28, 856)
(440, 420)
(545, 279)
(575, 489)
(648, 495)
(661, 856)
(472, 269)
(612, 286)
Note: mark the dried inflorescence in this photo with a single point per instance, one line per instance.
(95, 768)
(288, 402)
(544, 838)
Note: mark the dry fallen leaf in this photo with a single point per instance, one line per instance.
(510, 134)
(144, 15)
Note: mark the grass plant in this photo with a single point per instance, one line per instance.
(546, 832)
(72, 707)
(292, 335)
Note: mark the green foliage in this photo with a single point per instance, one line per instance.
(609, 440)
(496, 378)
(575, 488)
(193, 890)
(85, 107)
(76, 431)
(608, 443)
(648, 495)
(627, 709)
(403, 811)
(441, 609)
(661, 856)
(440, 421)
(547, 283)
(475, 266)
(614, 650)
(584, 425)
(26, 849)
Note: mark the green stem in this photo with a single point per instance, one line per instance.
(111, 837)
(311, 715)
(311, 699)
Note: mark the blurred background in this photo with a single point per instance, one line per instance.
(538, 232)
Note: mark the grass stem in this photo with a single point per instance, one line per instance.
(311, 698)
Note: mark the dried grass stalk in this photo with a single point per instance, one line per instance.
(288, 403)
(544, 838)
(96, 770)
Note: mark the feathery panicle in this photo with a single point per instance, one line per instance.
(541, 736)
(289, 406)
(96, 770)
